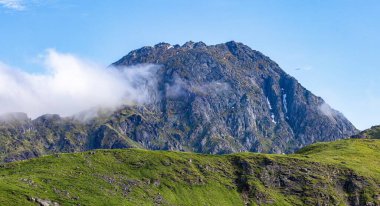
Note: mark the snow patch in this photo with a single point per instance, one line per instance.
(285, 103)
(272, 117)
(269, 105)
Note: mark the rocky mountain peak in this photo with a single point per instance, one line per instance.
(162, 45)
(188, 45)
(227, 98)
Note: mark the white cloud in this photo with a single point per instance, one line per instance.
(70, 85)
(326, 110)
(13, 4)
(181, 87)
(360, 106)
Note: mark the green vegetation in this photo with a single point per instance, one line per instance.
(360, 155)
(344, 172)
(373, 133)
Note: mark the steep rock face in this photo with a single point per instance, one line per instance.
(229, 98)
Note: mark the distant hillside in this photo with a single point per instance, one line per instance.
(373, 133)
(345, 172)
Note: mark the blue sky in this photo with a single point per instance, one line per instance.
(331, 47)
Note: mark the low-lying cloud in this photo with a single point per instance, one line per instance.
(327, 110)
(180, 88)
(70, 85)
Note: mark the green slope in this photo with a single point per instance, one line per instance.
(344, 172)
(360, 155)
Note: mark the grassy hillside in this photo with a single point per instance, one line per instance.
(360, 155)
(344, 172)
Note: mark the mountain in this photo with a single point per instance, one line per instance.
(333, 173)
(228, 98)
(214, 99)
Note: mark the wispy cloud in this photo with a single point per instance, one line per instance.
(70, 85)
(18, 5)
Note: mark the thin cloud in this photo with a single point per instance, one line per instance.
(17, 5)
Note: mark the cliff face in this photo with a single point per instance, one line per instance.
(215, 99)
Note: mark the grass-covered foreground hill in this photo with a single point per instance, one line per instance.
(345, 172)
